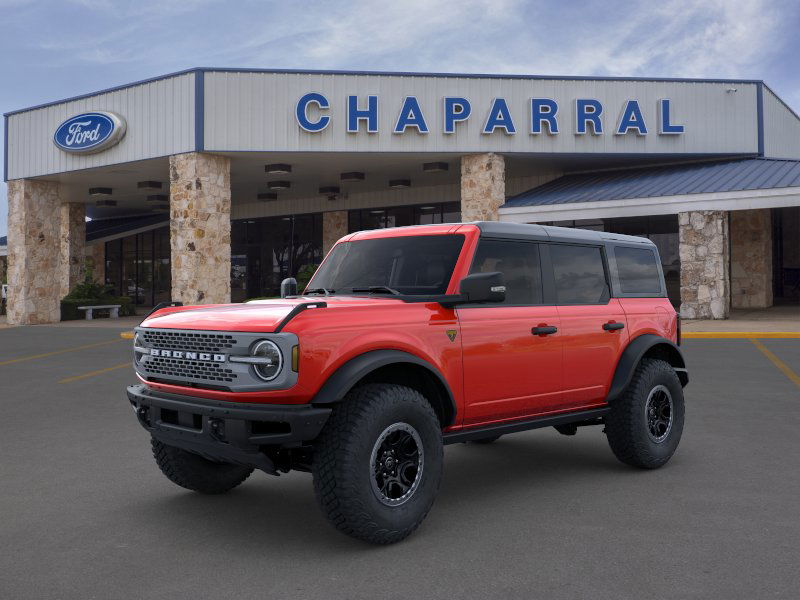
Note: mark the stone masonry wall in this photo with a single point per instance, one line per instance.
(703, 245)
(483, 186)
(33, 252)
(200, 228)
(334, 227)
(72, 240)
(751, 258)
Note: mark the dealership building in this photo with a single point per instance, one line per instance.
(212, 185)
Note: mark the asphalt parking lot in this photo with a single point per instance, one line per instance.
(85, 513)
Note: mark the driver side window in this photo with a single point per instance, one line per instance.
(519, 264)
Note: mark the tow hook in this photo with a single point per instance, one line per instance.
(217, 429)
(143, 414)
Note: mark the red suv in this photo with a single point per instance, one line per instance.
(406, 340)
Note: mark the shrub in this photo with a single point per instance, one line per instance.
(90, 293)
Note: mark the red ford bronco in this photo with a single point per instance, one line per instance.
(406, 340)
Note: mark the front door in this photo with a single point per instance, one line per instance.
(512, 351)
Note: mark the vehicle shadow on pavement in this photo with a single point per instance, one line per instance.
(265, 511)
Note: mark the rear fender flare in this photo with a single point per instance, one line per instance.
(633, 354)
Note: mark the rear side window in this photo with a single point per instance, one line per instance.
(579, 274)
(637, 271)
(519, 264)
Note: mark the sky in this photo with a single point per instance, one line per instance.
(56, 49)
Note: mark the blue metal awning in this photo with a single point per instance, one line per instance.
(667, 180)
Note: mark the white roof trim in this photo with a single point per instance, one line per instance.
(656, 205)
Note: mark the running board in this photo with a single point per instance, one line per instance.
(465, 435)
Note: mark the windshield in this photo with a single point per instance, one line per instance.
(412, 265)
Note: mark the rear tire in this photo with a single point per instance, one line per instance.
(645, 424)
(378, 463)
(195, 473)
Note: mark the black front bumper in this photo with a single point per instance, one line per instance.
(226, 431)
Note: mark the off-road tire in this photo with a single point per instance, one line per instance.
(487, 440)
(626, 423)
(194, 472)
(343, 469)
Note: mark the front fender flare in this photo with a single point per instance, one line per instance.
(354, 370)
(632, 356)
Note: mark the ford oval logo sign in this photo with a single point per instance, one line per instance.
(90, 132)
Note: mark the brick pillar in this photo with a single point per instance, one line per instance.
(200, 228)
(705, 281)
(483, 186)
(334, 227)
(34, 252)
(72, 237)
(96, 254)
(751, 258)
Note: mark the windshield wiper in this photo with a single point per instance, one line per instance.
(376, 289)
(321, 290)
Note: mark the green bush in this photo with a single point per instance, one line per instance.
(90, 293)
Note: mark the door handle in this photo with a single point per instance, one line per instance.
(613, 326)
(544, 330)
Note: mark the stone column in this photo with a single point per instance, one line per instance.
(96, 253)
(483, 186)
(705, 282)
(34, 252)
(200, 228)
(334, 227)
(71, 268)
(751, 258)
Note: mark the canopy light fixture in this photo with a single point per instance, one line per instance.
(149, 185)
(278, 168)
(100, 191)
(158, 198)
(279, 185)
(329, 189)
(427, 208)
(106, 203)
(267, 196)
(435, 167)
(352, 176)
(399, 183)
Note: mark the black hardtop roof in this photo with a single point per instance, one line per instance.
(553, 234)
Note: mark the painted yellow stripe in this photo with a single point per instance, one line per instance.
(56, 352)
(742, 335)
(126, 335)
(782, 366)
(97, 372)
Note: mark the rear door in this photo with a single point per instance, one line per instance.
(593, 325)
(510, 371)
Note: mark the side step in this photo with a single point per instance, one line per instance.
(477, 433)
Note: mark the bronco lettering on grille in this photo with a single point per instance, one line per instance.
(205, 356)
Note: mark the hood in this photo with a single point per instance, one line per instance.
(262, 316)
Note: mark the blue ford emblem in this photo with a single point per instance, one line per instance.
(90, 132)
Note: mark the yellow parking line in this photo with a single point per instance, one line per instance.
(782, 366)
(742, 335)
(55, 352)
(97, 372)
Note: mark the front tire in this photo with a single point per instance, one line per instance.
(195, 473)
(645, 424)
(378, 463)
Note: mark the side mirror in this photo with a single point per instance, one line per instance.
(288, 287)
(483, 287)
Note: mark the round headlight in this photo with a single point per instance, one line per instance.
(268, 368)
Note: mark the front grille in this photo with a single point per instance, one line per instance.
(181, 369)
(181, 340)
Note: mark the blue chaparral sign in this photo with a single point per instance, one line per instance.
(588, 116)
(90, 132)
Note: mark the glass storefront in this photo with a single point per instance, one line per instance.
(138, 266)
(661, 229)
(399, 216)
(266, 251)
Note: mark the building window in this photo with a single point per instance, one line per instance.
(138, 266)
(400, 216)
